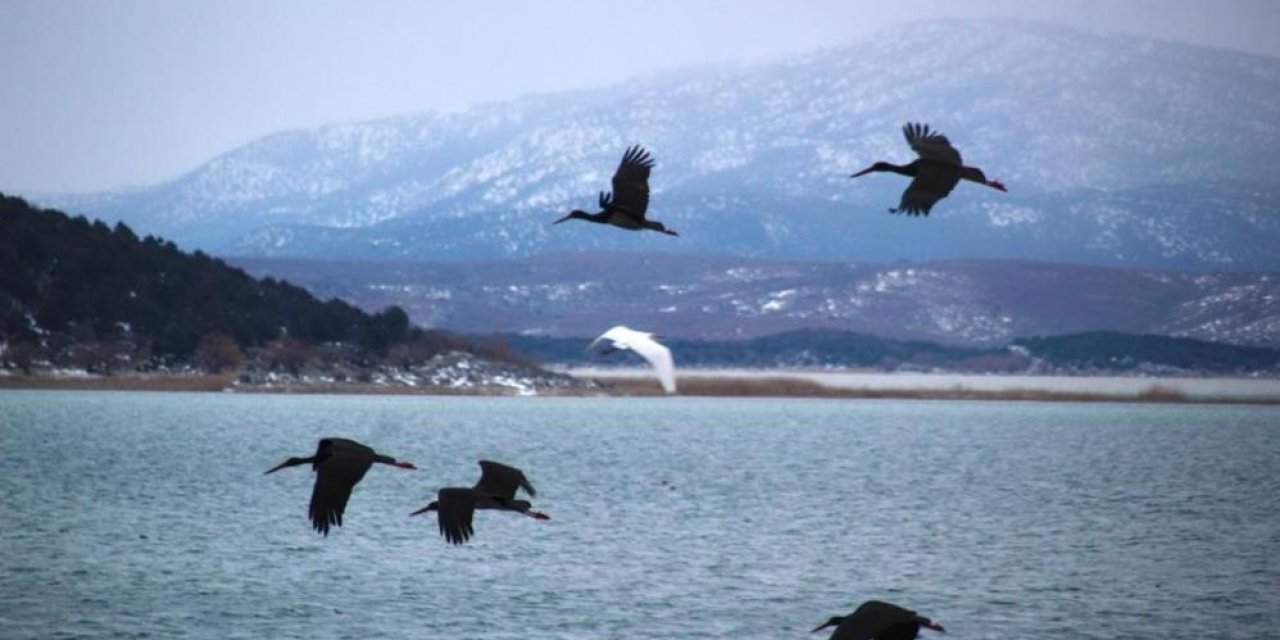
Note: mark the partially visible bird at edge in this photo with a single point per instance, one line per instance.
(455, 507)
(339, 464)
(935, 173)
(878, 620)
(626, 205)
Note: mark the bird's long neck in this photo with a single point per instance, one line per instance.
(601, 216)
(434, 506)
(292, 462)
(902, 169)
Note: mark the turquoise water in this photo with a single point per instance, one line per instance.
(147, 515)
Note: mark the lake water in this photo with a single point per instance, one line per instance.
(148, 515)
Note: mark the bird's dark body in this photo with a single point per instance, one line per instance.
(339, 464)
(626, 205)
(623, 220)
(934, 181)
(878, 620)
(906, 630)
(935, 173)
(496, 489)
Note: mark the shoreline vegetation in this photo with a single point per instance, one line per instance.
(780, 384)
(84, 305)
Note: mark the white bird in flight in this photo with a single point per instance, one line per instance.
(642, 343)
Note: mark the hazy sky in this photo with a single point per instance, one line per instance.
(107, 93)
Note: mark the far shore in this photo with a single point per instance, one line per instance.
(958, 385)
(746, 383)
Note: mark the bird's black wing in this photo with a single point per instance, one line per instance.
(631, 184)
(336, 476)
(498, 479)
(871, 619)
(324, 449)
(930, 145)
(933, 182)
(455, 508)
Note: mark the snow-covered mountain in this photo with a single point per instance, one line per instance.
(972, 303)
(1116, 150)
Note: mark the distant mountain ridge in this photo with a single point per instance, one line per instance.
(1087, 353)
(1116, 150)
(972, 303)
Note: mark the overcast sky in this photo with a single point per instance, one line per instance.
(101, 94)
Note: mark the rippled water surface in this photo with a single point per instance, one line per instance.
(148, 515)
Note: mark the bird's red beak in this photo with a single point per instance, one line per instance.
(863, 172)
(538, 515)
(935, 626)
(996, 184)
(405, 465)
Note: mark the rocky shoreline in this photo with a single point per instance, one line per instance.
(452, 373)
(461, 379)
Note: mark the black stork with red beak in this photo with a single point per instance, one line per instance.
(935, 173)
(456, 506)
(339, 464)
(877, 620)
(626, 205)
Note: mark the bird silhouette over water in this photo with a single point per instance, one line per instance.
(625, 207)
(339, 464)
(935, 173)
(456, 506)
(876, 620)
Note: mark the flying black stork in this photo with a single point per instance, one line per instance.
(626, 205)
(876, 620)
(935, 173)
(455, 506)
(339, 464)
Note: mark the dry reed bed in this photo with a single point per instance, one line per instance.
(783, 386)
(780, 386)
(122, 383)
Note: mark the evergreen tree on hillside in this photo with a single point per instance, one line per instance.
(67, 276)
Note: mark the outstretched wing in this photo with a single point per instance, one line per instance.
(497, 479)
(617, 337)
(455, 507)
(336, 476)
(870, 620)
(631, 183)
(933, 182)
(930, 145)
(659, 357)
